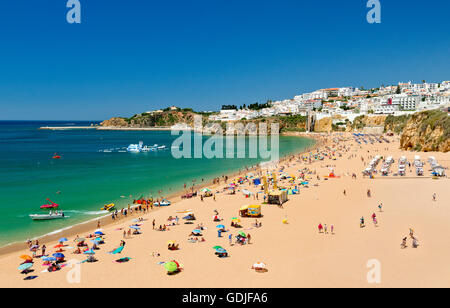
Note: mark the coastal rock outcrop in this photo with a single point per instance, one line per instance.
(427, 131)
(115, 122)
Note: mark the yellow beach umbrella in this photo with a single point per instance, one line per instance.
(171, 242)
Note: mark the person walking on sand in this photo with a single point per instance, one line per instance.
(230, 239)
(369, 194)
(415, 243)
(345, 193)
(361, 223)
(332, 229)
(434, 196)
(375, 222)
(411, 232)
(320, 227)
(153, 223)
(325, 228)
(403, 244)
(380, 206)
(248, 238)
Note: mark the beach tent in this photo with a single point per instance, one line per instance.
(277, 197)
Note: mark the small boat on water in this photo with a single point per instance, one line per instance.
(140, 147)
(50, 205)
(109, 207)
(49, 216)
(56, 156)
(135, 148)
(163, 202)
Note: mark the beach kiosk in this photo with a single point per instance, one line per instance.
(277, 197)
(250, 211)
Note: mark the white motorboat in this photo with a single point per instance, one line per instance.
(164, 202)
(135, 148)
(48, 216)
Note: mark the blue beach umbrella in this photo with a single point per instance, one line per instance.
(220, 226)
(134, 227)
(25, 266)
(99, 233)
(89, 252)
(221, 250)
(62, 240)
(58, 255)
(196, 231)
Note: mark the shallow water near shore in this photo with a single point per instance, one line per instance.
(85, 179)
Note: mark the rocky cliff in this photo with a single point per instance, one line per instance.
(323, 125)
(427, 131)
(159, 119)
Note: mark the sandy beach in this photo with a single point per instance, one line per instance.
(295, 253)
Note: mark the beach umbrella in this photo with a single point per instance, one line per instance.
(170, 266)
(58, 255)
(134, 227)
(34, 247)
(26, 257)
(235, 219)
(99, 233)
(62, 240)
(242, 234)
(205, 190)
(220, 226)
(25, 266)
(221, 250)
(259, 265)
(59, 246)
(196, 231)
(80, 240)
(89, 252)
(217, 247)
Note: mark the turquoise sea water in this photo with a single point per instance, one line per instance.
(84, 179)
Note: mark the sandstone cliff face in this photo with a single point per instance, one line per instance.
(323, 125)
(427, 131)
(363, 121)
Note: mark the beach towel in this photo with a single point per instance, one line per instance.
(123, 260)
(116, 251)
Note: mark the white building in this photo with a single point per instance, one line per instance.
(406, 102)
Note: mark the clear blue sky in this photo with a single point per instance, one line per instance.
(130, 56)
